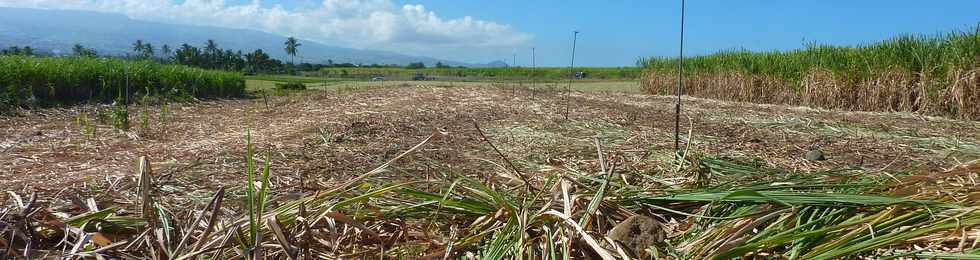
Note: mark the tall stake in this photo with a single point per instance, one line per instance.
(568, 88)
(533, 65)
(680, 87)
(126, 74)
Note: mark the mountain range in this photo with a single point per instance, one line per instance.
(56, 31)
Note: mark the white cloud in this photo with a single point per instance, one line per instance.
(376, 24)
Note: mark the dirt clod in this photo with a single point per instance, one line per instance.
(815, 155)
(638, 233)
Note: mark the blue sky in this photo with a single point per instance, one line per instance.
(613, 33)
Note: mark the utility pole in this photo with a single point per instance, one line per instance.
(568, 88)
(680, 88)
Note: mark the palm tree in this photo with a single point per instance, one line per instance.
(210, 51)
(165, 51)
(188, 55)
(228, 60)
(258, 60)
(138, 46)
(148, 50)
(212, 47)
(291, 47)
(78, 50)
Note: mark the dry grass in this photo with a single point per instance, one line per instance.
(442, 191)
(937, 74)
(888, 92)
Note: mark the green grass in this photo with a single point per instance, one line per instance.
(482, 74)
(611, 86)
(254, 84)
(46, 82)
(292, 78)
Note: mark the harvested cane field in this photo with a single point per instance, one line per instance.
(422, 171)
(931, 75)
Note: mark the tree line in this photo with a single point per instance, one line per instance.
(17, 50)
(210, 56)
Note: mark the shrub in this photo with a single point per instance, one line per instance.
(290, 86)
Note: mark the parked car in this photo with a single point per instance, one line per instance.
(419, 76)
(378, 78)
(581, 75)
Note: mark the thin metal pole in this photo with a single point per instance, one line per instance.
(680, 87)
(514, 87)
(126, 74)
(568, 88)
(533, 66)
(532, 59)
